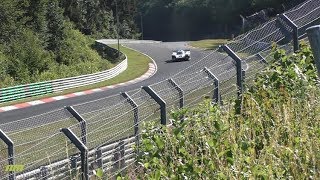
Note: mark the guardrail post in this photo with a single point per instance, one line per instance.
(82, 122)
(216, 95)
(314, 39)
(44, 172)
(160, 101)
(99, 158)
(73, 163)
(238, 61)
(136, 117)
(119, 156)
(180, 91)
(295, 35)
(244, 77)
(82, 148)
(10, 145)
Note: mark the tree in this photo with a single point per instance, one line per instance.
(11, 19)
(36, 12)
(55, 25)
(27, 57)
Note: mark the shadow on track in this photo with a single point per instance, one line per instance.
(175, 61)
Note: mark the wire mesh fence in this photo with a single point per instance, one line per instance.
(3, 159)
(110, 127)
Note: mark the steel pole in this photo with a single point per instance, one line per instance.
(314, 39)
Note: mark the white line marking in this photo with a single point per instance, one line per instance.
(33, 103)
(59, 97)
(96, 90)
(8, 108)
(79, 93)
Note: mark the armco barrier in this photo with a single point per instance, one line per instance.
(24, 91)
(107, 154)
(114, 124)
(47, 87)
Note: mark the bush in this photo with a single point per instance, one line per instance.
(276, 134)
(25, 60)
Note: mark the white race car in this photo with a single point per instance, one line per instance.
(181, 55)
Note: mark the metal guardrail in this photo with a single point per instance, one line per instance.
(67, 83)
(47, 87)
(108, 152)
(114, 124)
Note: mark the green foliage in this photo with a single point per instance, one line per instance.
(194, 19)
(36, 11)
(55, 25)
(11, 19)
(27, 57)
(289, 74)
(99, 173)
(43, 40)
(275, 135)
(25, 60)
(98, 17)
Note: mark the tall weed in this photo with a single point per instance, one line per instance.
(276, 135)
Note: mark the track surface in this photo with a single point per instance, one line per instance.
(160, 52)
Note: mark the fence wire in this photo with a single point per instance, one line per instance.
(36, 121)
(112, 122)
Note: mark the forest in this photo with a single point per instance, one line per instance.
(49, 39)
(174, 20)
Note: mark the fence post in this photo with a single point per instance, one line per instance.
(119, 157)
(82, 148)
(136, 116)
(179, 89)
(295, 35)
(160, 101)
(99, 158)
(44, 172)
(243, 78)
(82, 122)
(314, 39)
(10, 145)
(216, 95)
(238, 60)
(73, 162)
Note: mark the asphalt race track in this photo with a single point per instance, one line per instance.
(160, 52)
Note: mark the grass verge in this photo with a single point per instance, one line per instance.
(208, 44)
(138, 64)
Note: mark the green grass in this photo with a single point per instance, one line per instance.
(209, 44)
(138, 64)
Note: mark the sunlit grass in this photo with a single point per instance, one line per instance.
(209, 44)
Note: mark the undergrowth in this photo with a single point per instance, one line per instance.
(273, 132)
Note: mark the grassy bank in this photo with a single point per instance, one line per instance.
(138, 64)
(209, 44)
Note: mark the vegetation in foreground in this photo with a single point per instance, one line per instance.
(274, 133)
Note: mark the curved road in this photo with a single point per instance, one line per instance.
(160, 52)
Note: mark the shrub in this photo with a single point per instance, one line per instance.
(276, 134)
